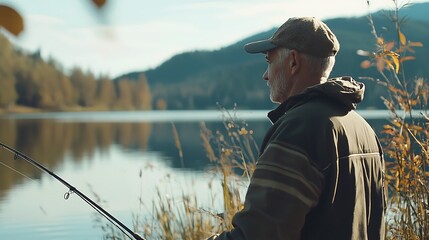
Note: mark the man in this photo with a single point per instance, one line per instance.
(320, 174)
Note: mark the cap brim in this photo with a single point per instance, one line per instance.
(259, 46)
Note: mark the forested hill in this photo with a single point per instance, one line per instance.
(228, 76)
(28, 82)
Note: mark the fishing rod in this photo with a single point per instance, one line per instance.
(124, 229)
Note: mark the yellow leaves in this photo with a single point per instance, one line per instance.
(387, 59)
(388, 129)
(415, 44)
(389, 46)
(244, 131)
(380, 41)
(386, 56)
(407, 58)
(402, 38)
(365, 64)
(405, 174)
(407, 46)
(395, 59)
(415, 128)
(227, 151)
(11, 20)
(406, 138)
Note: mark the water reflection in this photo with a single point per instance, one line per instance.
(49, 141)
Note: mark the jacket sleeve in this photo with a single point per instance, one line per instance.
(284, 187)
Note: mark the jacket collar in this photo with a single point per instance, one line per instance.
(343, 90)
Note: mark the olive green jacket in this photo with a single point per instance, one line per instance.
(320, 174)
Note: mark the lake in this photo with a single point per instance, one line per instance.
(121, 158)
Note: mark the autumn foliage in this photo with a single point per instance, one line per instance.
(405, 138)
(28, 80)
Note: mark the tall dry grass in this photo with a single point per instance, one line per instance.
(232, 152)
(405, 138)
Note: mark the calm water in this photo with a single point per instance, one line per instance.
(120, 157)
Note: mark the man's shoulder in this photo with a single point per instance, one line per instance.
(316, 109)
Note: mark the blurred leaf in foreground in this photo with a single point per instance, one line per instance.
(11, 20)
(99, 3)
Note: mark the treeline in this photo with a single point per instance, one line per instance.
(28, 80)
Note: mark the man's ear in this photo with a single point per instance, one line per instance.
(295, 61)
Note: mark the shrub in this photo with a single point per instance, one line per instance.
(405, 138)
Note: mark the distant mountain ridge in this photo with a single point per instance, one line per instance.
(228, 76)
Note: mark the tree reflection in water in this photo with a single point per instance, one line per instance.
(48, 141)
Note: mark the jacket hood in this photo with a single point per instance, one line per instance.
(343, 89)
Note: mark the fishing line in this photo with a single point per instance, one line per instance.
(22, 174)
(13, 169)
(124, 229)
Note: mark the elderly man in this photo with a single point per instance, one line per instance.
(320, 174)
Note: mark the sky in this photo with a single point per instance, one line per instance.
(136, 35)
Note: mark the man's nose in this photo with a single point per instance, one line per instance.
(265, 75)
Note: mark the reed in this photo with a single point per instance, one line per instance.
(232, 152)
(405, 137)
